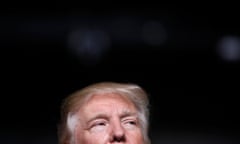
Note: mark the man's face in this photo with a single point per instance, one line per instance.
(108, 119)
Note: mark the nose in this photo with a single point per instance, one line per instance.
(118, 133)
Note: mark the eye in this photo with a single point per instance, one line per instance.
(130, 123)
(98, 126)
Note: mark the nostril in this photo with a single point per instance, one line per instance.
(119, 138)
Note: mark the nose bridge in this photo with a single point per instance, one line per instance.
(117, 127)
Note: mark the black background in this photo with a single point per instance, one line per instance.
(193, 91)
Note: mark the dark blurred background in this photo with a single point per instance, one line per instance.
(186, 57)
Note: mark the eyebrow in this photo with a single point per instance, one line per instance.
(98, 116)
(127, 113)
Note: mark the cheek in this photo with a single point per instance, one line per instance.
(135, 137)
(89, 137)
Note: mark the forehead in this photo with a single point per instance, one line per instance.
(104, 101)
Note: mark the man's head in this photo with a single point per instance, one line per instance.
(105, 113)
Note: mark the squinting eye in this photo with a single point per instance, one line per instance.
(98, 126)
(133, 122)
(130, 124)
(101, 124)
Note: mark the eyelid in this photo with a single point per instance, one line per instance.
(130, 118)
(96, 122)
